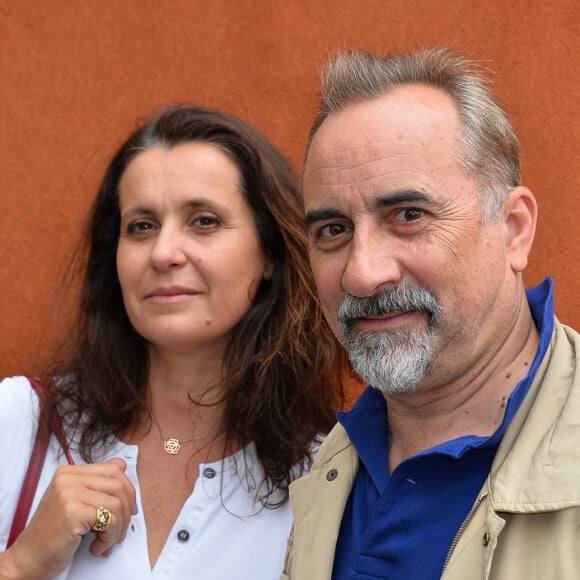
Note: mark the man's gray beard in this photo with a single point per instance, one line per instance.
(393, 361)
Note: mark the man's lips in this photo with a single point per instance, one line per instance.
(387, 321)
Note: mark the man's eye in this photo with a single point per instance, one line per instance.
(331, 231)
(410, 214)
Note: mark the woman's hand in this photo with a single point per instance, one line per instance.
(67, 512)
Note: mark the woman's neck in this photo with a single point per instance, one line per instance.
(186, 396)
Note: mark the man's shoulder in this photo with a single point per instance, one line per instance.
(570, 332)
(564, 345)
(336, 442)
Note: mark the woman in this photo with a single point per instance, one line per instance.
(200, 369)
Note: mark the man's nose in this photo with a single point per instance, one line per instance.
(372, 264)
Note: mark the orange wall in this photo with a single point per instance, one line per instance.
(75, 76)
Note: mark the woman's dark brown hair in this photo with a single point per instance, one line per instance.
(283, 366)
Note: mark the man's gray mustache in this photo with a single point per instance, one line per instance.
(398, 299)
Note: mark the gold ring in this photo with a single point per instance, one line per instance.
(103, 520)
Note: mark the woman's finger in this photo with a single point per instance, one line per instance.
(78, 499)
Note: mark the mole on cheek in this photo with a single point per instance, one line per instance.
(208, 321)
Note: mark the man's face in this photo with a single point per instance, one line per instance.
(397, 238)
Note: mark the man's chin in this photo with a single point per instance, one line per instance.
(392, 369)
(396, 390)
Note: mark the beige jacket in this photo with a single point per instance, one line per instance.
(525, 524)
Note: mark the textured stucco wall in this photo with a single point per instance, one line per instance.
(76, 75)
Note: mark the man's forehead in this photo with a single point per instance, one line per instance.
(406, 130)
(407, 111)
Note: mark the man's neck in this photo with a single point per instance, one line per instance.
(472, 405)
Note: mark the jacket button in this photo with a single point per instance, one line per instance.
(486, 538)
(332, 475)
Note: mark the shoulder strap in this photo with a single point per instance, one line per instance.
(37, 460)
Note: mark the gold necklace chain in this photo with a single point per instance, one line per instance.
(172, 445)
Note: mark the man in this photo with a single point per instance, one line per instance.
(462, 460)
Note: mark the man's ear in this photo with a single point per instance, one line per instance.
(520, 214)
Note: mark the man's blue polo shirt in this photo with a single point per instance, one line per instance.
(402, 525)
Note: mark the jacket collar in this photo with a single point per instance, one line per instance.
(537, 465)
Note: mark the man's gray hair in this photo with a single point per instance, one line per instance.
(491, 151)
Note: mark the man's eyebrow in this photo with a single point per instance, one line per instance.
(405, 196)
(321, 215)
(400, 197)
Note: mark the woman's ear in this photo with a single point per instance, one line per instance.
(520, 213)
(268, 270)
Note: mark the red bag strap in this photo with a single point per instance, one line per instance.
(40, 385)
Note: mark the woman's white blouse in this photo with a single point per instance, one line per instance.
(220, 534)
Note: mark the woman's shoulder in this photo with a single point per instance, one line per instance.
(18, 405)
(17, 391)
(18, 421)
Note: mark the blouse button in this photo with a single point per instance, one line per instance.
(332, 475)
(183, 535)
(209, 472)
(486, 538)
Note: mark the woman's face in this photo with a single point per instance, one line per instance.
(189, 258)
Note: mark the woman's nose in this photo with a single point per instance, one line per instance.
(168, 250)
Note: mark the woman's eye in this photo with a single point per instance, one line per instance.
(206, 221)
(139, 227)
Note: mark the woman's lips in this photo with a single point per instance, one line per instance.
(171, 295)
